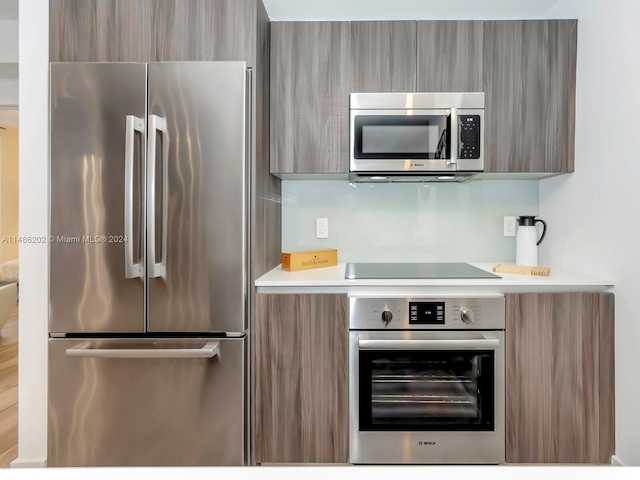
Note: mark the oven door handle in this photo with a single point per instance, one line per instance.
(447, 344)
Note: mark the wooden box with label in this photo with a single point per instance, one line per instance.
(294, 261)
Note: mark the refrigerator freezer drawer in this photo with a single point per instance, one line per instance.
(144, 402)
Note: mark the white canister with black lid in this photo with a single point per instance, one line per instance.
(527, 240)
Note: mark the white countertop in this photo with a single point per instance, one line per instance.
(331, 280)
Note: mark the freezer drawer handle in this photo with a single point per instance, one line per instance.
(368, 344)
(133, 125)
(209, 350)
(157, 124)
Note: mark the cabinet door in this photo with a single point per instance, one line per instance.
(530, 78)
(300, 379)
(148, 30)
(450, 56)
(100, 31)
(559, 382)
(309, 97)
(211, 30)
(383, 57)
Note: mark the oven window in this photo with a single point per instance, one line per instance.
(426, 391)
(401, 136)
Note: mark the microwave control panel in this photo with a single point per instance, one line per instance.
(469, 129)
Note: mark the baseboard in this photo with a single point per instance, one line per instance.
(29, 463)
(617, 461)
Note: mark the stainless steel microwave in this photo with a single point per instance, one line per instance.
(416, 136)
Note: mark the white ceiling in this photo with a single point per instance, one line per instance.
(9, 9)
(9, 118)
(405, 9)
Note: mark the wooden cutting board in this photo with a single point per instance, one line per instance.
(522, 270)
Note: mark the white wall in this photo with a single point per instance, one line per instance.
(8, 60)
(9, 118)
(8, 41)
(433, 222)
(34, 207)
(596, 209)
(8, 92)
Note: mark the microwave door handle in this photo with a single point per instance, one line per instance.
(453, 138)
(466, 344)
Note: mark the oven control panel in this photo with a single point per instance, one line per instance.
(427, 313)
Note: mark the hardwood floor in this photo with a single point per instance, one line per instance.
(9, 391)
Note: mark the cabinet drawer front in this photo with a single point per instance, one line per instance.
(110, 411)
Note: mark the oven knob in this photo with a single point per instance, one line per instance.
(387, 316)
(466, 314)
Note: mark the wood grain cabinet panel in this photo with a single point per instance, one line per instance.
(149, 30)
(309, 97)
(100, 30)
(560, 380)
(450, 56)
(383, 56)
(205, 30)
(529, 82)
(300, 379)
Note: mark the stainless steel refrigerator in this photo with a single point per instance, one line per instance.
(149, 263)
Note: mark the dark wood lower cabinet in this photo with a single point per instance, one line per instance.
(560, 378)
(300, 379)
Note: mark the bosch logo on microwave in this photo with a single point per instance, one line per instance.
(417, 164)
(426, 443)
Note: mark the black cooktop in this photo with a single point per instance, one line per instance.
(414, 270)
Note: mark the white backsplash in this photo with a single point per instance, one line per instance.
(407, 222)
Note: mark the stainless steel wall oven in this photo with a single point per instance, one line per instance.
(426, 380)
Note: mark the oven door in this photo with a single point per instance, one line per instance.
(402, 141)
(427, 397)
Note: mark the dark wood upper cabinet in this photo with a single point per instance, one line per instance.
(529, 82)
(449, 56)
(383, 56)
(309, 97)
(560, 378)
(526, 68)
(300, 379)
(149, 30)
(204, 30)
(100, 31)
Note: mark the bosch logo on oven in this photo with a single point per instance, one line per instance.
(421, 443)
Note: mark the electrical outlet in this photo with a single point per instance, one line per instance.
(509, 226)
(322, 228)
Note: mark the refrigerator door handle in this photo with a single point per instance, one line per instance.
(133, 125)
(209, 350)
(156, 124)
